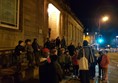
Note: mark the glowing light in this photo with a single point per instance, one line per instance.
(100, 40)
(108, 45)
(87, 33)
(54, 20)
(105, 18)
(52, 9)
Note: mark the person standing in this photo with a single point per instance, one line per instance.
(71, 49)
(47, 71)
(59, 72)
(29, 52)
(86, 53)
(67, 62)
(58, 42)
(63, 43)
(47, 43)
(104, 64)
(19, 49)
(78, 47)
(93, 65)
(62, 59)
(36, 50)
(99, 61)
(75, 65)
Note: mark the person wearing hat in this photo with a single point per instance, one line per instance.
(47, 71)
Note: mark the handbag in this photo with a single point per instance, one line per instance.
(83, 62)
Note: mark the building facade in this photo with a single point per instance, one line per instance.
(22, 19)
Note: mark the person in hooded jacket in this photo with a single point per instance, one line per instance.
(47, 71)
(54, 60)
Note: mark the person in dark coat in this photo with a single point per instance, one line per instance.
(47, 72)
(58, 42)
(63, 43)
(71, 49)
(36, 50)
(19, 49)
(99, 61)
(84, 74)
(93, 65)
(29, 52)
(57, 66)
(47, 43)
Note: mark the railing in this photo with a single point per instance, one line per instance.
(6, 57)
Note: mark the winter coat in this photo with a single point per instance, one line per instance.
(35, 47)
(105, 61)
(71, 49)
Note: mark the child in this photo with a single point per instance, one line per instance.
(104, 64)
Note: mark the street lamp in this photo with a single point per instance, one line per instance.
(104, 19)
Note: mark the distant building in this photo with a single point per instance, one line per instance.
(22, 19)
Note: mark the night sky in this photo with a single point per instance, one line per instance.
(90, 11)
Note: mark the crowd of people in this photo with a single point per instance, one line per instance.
(56, 60)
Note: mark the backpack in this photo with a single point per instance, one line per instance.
(83, 62)
(104, 62)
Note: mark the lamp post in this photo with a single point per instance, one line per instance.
(104, 19)
(101, 20)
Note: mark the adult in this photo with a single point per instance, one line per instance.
(36, 50)
(47, 43)
(47, 71)
(93, 65)
(71, 49)
(99, 61)
(54, 60)
(29, 52)
(78, 47)
(58, 42)
(19, 49)
(87, 52)
(63, 42)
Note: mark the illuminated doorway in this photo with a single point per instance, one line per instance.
(54, 21)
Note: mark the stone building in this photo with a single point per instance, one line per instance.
(22, 19)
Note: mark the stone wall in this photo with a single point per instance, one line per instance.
(31, 24)
(34, 24)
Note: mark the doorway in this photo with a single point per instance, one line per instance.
(53, 21)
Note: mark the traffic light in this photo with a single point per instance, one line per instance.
(100, 40)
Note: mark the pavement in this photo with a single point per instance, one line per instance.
(112, 72)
